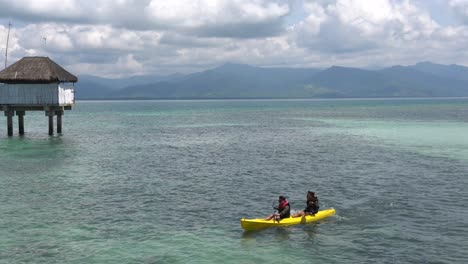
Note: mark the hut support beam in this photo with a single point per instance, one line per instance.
(20, 110)
(50, 114)
(9, 114)
(20, 115)
(59, 121)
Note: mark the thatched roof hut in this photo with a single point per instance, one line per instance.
(36, 81)
(36, 70)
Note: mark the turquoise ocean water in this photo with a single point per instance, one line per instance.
(168, 181)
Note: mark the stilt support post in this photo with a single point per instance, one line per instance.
(20, 115)
(50, 114)
(59, 121)
(9, 114)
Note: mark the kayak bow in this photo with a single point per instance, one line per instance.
(260, 223)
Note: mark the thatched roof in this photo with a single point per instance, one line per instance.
(36, 70)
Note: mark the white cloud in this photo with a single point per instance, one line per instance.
(128, 62)
(217, 18)
(125, 37)
(199, 17)
(460, 7)
(199, 13)
(54, 8)
(124, 65)
(354, 25)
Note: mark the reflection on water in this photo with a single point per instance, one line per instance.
(32, 154)
(279, 234)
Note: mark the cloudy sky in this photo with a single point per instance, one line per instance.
(118, 38)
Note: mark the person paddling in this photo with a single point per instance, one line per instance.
(283, 208)
(312, 206)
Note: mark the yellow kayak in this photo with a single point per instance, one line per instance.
(260, 223)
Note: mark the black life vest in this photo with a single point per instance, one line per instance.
(312, 206)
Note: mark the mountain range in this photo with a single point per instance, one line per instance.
(424, 79)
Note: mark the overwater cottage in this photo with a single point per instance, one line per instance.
(36, 84)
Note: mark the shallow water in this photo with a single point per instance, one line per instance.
(168, 181)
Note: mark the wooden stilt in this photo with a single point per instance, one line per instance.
(9, 115)
(20, 115)
(50, 114)
(51, 125)
(20, 110)
(59, 121)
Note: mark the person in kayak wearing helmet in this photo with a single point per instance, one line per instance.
(312, 206)
(283, 208)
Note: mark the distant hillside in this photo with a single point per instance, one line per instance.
(453, 71)
(244, 81)
(409, 82)
(350, 82)
(85, 89)
(92, 87)
(228, 81)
